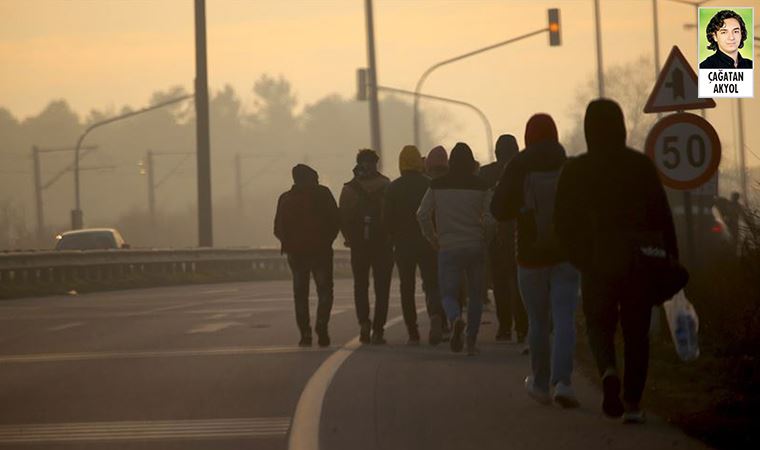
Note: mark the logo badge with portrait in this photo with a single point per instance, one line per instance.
(726, 52)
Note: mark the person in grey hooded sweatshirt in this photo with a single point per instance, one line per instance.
(452, 217)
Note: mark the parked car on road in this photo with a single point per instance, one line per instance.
(90, 239)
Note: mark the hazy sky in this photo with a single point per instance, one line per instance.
(108, 53)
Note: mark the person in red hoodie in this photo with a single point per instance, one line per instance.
(548, 283)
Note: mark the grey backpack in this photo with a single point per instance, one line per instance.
(540, 191)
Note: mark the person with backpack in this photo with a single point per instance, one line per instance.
(452, 217)
(411, 249)
(611, 209)
(306, 224)
(501, 253)
(548, 283)
(361, 204)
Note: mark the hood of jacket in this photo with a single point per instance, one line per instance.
(410, 160)
(506, 148)
(540, 127)
(604, 126)
(304, 175)
(461, 160)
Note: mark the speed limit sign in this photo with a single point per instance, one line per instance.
(685, 149)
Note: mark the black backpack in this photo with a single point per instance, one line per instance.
(368, 226)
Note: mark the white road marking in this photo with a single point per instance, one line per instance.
(304, 431)
(220, 291)
(219, 351)
(240, 310)
(141, 430)
(66, 326)
(213, 327)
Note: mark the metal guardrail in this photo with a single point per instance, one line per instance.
(89, 269)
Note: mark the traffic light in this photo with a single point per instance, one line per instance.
(361, 85)
(554, 37)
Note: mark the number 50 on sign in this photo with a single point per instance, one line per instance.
(685, 149)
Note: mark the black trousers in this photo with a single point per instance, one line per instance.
(320, 266)
(379, 260)
(509, 305)
(409, 256)
(605, 302)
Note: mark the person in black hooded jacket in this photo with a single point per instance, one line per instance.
(501, 252)
(603, 196)
(307, 223)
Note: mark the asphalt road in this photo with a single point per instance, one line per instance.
(216, 367)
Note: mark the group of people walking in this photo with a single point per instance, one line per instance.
(546, 230)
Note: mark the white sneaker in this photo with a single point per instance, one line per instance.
(634, 417)
(564, 396)
(536, 393)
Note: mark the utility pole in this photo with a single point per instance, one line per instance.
(238, 182)
(38, 193)
(150, 167)
(599, 65)
(205, 232)
(742, 156)
(374, 107)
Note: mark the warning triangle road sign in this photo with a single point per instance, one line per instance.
(676, 88)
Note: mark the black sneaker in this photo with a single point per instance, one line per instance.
(504, 336)
(436, 330)
(305, 341)
(377, 338)
(364, 333)
(472, 349)
(414, 336)
(611, 404)
(634, 415)
(323, 339)
(457, 343)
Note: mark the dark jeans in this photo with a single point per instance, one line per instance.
(506, 292)
(604, 301)
(320, 265)
(409, 256)
(380, 260)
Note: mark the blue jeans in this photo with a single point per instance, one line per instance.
(550, 295)
(452, 263)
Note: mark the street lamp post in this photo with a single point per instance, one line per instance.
(599, 64)
(76, 213)
(39, 187)
(430, 70)
(478, 111)
(554, 40)
(374, 107)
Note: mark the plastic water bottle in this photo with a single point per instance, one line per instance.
(687, 345)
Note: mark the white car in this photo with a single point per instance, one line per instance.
(90, 239)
